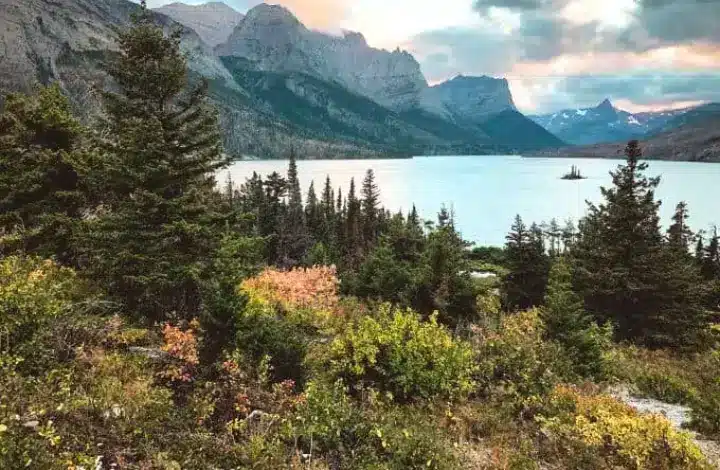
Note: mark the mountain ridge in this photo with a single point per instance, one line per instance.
(697, 140)
(357, 114)
(602, 123)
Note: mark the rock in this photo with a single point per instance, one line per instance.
(469, 98)
(151, 353)
(213, 21)
(272, 39)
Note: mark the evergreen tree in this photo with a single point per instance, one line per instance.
(327, 228)
(554, 236)
(370, 209)
(158, 233)
(710, 262)
(623, 270)
(294, 239)
(568, 236)
(314, 214)
(353, 234)
(566, 322)
(44, 187)
(447, 275)
(524, 285)
(679, 234)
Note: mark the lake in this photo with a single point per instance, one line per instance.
(486, 192)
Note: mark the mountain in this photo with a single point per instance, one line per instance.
(276, 84)
(67, 41)
(603, 123)
(468, 98)
(272, 39)
(693, 136)
(213, 22)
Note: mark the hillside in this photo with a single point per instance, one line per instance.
(697, 140)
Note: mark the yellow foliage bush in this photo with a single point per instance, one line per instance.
(598, 431)
(32, 291)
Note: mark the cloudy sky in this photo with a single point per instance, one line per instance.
(643, 54)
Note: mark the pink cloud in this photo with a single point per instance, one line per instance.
(317, 14)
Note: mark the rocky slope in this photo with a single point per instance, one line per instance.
(272, 39)
(214, 22)
(603, 123)
(468, 98)
(697, 140)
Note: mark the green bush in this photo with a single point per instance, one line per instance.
(373, 434)
(395, 351)
(705, 416)
(33, 292)
(516, 365)
(265, 337)
(668, 388)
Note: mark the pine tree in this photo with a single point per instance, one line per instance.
(353, 234)
(447, 275)
(566, 322)
(625, 273)
(710, 263)
(159, 232)
(524, 285)
(327, 205)
(679, 234)
(44, 186)
(370, 209)
(313, 212)
(294, 239)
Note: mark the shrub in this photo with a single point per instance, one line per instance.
(597, 431)
(33, 292)
(299, 288)
(668, 388)
(516, 365)
(263, 335)
(395, 351)
(373, 434)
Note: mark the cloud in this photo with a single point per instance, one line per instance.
(320, 14)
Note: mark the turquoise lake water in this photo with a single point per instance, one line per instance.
(486, 192)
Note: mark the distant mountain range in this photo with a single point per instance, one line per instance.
(277, 84)
(604, 123)
(690, 135)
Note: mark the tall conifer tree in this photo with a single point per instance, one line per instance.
(370, 209)
(157, 236)
(625, 272)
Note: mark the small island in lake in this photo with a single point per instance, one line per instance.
(574, 174)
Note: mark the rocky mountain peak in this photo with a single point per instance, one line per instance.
(213, 22)
(355, 38)
(469, 97)
(272, 39)
(271, 14)
(605, 104)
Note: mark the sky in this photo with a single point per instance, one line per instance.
(642, 54)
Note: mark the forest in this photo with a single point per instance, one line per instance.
(151, 318)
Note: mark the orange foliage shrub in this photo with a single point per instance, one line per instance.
(315, 288)
(181, 346)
